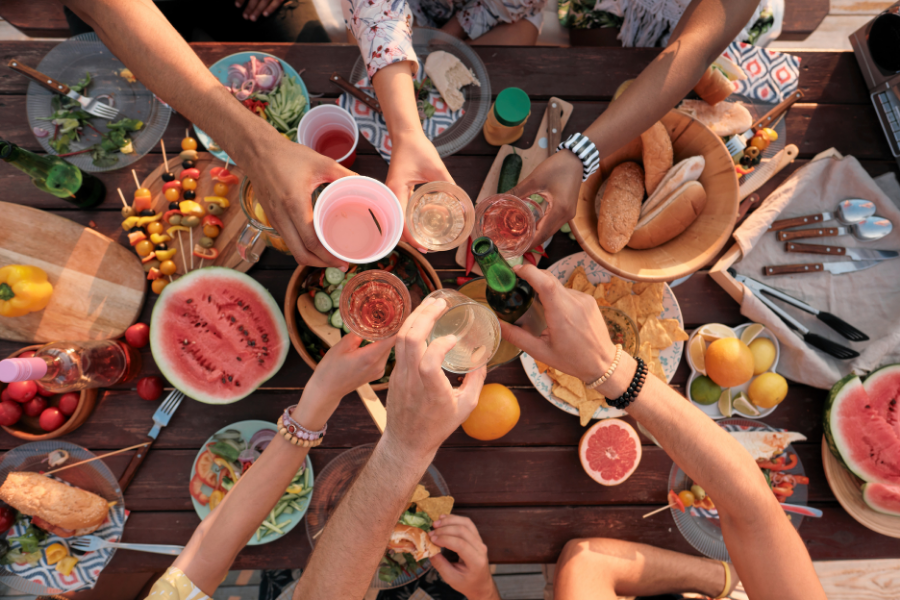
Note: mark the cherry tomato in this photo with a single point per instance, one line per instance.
(7, 519)
(28, 354)
(155, 227)
(4, 396)
(211, 231)
(144, 247)
(35, 406)
(150, 388)
(158, 285)
(51, 419)
(172, 195)
(771, 133)
(687, 497)
(138, 335)
(22, 391)
(69, 402)
(220, 189)
(168, 267)
(188, 143)
(189, 183)
(760, 142)
(44, 392)
(142, 193)
(10, 413)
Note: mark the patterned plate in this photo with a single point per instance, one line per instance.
(670, 357)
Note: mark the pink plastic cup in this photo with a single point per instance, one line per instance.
(322, 124)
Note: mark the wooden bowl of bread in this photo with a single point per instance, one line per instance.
(661, 207)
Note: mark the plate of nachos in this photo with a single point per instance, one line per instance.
(648, 308)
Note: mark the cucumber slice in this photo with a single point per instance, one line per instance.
(336, 320)
(336, 297)
(334, 275)
(515, 261)
(323, 302)
(572, 237)
(345, 329)
(565, 228)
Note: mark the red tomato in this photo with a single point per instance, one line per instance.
(150, 388)
(10, 413)
(42, 392)
(28, 354)
(51, 419)
(4, 396)
(35, 406)
(204, 469)
(22, 391)
(138, 335)
(7, 519)
(69, 402)
(196, 490)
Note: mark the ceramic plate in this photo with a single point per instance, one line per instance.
(670, 357)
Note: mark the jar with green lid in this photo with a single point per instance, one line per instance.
(506, 120)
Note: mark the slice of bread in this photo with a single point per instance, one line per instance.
(449, 76)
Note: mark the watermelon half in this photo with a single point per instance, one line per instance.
(861, 425)
(882, 498)
(217, 335)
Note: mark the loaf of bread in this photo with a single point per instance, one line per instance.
(670, 218)
(449, 76)
(690, 169)
(657, 155)
(620, 206)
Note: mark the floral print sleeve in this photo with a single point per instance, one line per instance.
(478, 17)
(383, 30)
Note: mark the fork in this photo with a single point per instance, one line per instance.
(160, 419)
(90, 105)
(90, 543)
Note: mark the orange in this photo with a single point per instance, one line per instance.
(495, 415)
(729, 362)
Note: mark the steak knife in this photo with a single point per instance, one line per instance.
(851, 253)
(836, 268)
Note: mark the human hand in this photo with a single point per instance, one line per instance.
(348, 366)
(573, 321)
(423, 409)
(284, 179)
(414, 160)
(558, 180)
(255, 8)
(471, 576)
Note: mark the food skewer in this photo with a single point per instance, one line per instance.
(162, 145)
(137, 184)
(674, 502)
(97, 458)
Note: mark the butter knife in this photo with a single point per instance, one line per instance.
(851, 253)
(836, 268)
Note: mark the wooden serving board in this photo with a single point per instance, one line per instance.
(541, 149)
(233, 219)
(98, 284)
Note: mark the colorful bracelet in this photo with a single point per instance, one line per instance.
(609, 371)
(582, 147)
(637, 382)
(296, 433)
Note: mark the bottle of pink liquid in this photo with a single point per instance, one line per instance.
(71, 366)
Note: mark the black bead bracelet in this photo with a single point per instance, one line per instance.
(634, 388)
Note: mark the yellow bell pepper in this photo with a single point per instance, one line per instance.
(224, 463)
(214, 499)
(23, 289)
(171, 230)
(145, 220)
(55, 553)
(294, 489)
(156, 238)
(66, 565)
(130, 223)
(223, 202)
(189, 207)
(162, 255)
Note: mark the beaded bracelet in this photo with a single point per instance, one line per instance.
(637, 382)
(296, 433)
(610, 371)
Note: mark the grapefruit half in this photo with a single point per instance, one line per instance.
(610, 451)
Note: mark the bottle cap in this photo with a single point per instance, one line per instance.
(22, 369)
(512, 107)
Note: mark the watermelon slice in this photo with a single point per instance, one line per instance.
(217, 335)
(882, 498)
(861, 425)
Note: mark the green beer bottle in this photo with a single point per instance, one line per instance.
(55, 176)
(513, 299)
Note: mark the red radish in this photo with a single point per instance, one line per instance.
(51, 419)
(35, 406)
(69, 402)
(150, 388)
(10, 413)
(138, 335)
(22, 391)
(43, 392)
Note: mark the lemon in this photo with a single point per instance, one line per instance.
(763, 351)
(716, 331)
(697, 352)
(622, 87)
(768, 390)
(725, 406)
(704, 390)
(729, 362)
(743, 406)
(752, 332)
(260, 214)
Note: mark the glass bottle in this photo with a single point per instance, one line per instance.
(71, 366)
(505, 123)
(512, 298)
(55, 176)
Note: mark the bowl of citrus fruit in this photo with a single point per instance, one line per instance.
(733, 371)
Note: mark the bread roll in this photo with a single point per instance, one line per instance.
(412, 540)
(670, 218)
(620, 206)
(657, 155)
(690, 169)
(56, 503)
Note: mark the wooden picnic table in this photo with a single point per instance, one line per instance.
(526, 491)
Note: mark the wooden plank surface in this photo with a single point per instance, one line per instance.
(802, 18)
(36, 18)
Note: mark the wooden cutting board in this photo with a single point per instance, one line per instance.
(543, 147)
(98, 284)
(233, 219)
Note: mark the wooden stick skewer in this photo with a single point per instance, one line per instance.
(97, 458)
(191, 234)
(658, 510)
(162, 144)
(183, 257)
(122, 196)
(137, 183)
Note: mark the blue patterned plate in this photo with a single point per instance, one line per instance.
(670, 357)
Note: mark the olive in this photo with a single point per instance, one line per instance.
(175, 219)
(150, 264)
(751, 151)
(135, 229)
(746, 160)
(161, 247)
(173, 206)
(147, 212)
(187, 164)
(167, 177)
(207, 242)
(189, 194)
(215, 209)
(127, 211)
(190, 221)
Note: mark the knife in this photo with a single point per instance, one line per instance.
(851, 253)
(836, 268)
(354, 91)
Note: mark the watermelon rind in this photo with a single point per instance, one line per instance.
(838, 392)
(869, 495)
(170, 369)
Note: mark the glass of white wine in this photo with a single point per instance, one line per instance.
(476, 327)
(440, 216)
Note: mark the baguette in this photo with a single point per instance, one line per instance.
(54, 506)
(670, 218)
(657, 155)
(620, 206)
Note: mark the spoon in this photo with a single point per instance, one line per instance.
(318, 324)
(852, 210)
(868, 230)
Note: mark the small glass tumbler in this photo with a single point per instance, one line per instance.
(440, 216)
(374, 304)
(509, 221)
(475, 326)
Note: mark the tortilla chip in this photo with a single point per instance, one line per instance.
(656, 368)
(649, 303)
(600, 292)
(420, 493)
(567, 396)
(628, 305)
(645, 353)
(673, 328)
(593, 395)
(640, 286)
(581, 284)
(436, 507)
(573, 384)
(655, 333)
(577, 274)
(617, 288)
(602, 301)
(542, 367)
(587, 409)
